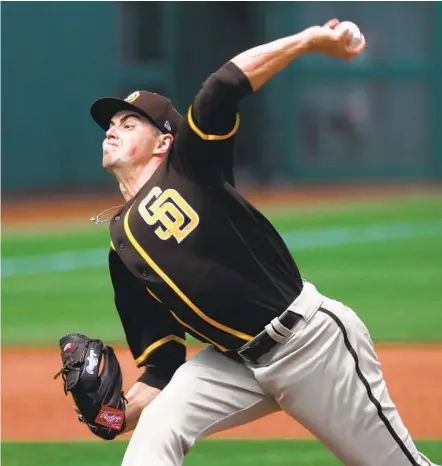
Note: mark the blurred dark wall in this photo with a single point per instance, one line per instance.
(56, 58)
(319, 120)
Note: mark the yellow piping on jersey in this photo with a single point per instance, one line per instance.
(198, 333)
(187, 325)
(211, 137)
(147, 352)
(154, 296)
(112, 245)
(166, 278)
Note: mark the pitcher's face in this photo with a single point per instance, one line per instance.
(130, 140)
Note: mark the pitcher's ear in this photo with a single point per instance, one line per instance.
(164, 144)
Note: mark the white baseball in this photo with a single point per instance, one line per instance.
(356, 34)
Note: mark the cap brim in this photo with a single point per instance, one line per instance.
(103, 110)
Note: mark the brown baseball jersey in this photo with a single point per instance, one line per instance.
(189, 253)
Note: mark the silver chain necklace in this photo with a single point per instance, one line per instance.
(97, 220)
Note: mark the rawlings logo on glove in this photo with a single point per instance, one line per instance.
(109, 417)
(98, 397)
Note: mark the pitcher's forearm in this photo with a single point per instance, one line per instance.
(138, 397)
(260, 63)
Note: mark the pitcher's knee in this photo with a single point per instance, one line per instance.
(172, 439)
(158, 440)
(157, 446)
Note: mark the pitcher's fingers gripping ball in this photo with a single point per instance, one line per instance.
(98, 397)
(354, 35)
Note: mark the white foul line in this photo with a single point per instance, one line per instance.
(295, 240)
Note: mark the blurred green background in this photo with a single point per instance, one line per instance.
(370, 123)
(375, 118)
(382, 258)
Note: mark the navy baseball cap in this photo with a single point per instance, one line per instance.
(156, 108)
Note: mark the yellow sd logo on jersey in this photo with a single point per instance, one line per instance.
(168, 208)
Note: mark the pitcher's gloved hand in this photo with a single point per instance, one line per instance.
(98, 396)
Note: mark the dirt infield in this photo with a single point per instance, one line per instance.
(57, 209)
(34, 406)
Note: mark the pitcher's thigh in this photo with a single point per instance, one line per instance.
(377, 434)
(340, 393)
(207, 394)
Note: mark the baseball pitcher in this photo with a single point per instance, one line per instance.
(190, 255)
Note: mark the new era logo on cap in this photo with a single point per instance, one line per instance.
(167, 125)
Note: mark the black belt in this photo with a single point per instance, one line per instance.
(263, 343)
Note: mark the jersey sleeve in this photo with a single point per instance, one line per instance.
(156, 340)
(204, 146)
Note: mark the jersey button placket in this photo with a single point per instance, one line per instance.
(145, 273)
(122, 245)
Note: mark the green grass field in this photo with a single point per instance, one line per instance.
(383, 258)
(209, 453)
(391, 279)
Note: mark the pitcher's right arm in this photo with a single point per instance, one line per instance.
(261, 63)
(204, 146)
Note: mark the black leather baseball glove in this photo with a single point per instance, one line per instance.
(98, 396)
